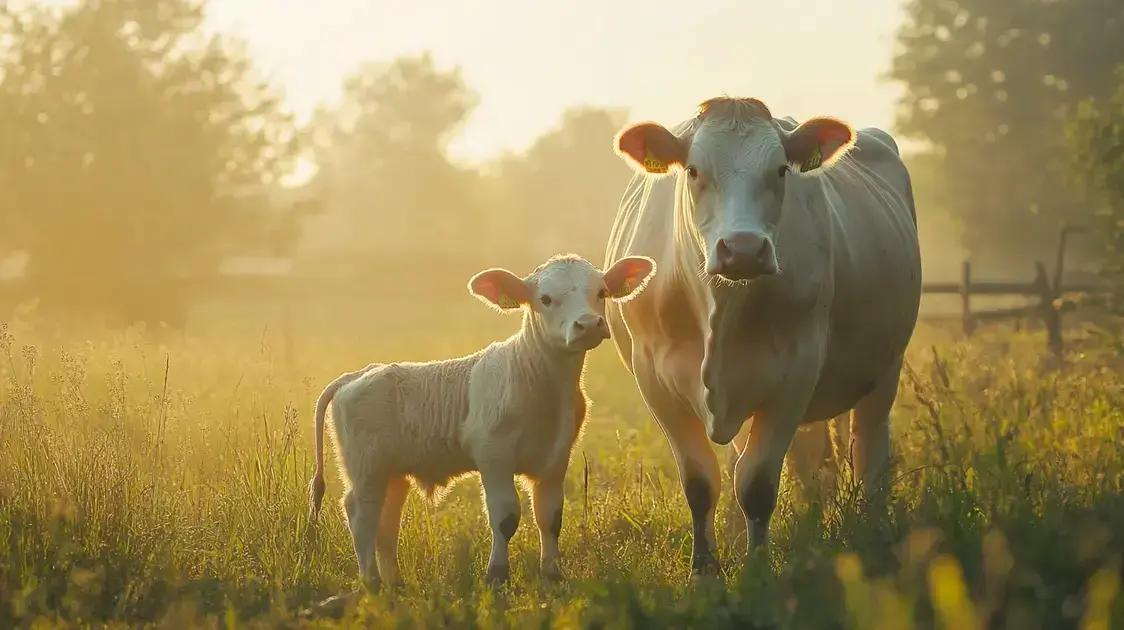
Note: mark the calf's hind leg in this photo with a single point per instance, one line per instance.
(386, 541)
(363, 504)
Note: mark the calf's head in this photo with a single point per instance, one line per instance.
(736, 162)
(565, 297)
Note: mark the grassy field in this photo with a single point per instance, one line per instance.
(160, 478)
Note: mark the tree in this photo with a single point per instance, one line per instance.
(989, 86)
(562, 194)
(1097, 140)
(388, 187)
(136, 151)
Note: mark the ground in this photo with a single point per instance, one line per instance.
(161, 477)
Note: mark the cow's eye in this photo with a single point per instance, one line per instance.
(546, 301)
(692, 171)
(602, 294)
(782, 171)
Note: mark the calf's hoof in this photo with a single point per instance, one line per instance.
(497, 574)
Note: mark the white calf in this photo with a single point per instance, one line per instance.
(513, 408)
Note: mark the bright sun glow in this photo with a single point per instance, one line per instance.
(529, 61)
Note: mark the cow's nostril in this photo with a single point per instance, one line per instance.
(578, 326)
(722, 248)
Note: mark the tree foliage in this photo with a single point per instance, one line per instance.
(990, 85)
(562, 193)
(388, 186)
(136, 152)
(1097, 140)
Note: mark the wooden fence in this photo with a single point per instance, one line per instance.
(1049, 291)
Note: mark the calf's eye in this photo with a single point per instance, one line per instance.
(546, 301)
(602, 294)
(782, 171)
(692, 172)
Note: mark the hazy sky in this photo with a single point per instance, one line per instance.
(528, 60)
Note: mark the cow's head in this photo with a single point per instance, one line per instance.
(565, 297)
(736, 162)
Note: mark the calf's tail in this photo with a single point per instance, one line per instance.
(316, 486)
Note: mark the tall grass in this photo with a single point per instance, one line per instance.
(149, 480)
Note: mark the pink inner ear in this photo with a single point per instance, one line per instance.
(833, 137)
(626, 275)
(500, 287)
(632, 143)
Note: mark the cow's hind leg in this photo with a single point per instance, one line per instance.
(699, 472)
(810, 450)
(870, 427)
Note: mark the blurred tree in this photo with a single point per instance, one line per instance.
(1097, 138)
(388, 188)
(562, 194)
(136, 149)
(989, 85)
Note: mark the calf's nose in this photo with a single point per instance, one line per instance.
(589, 325)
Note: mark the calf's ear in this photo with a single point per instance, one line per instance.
(500, 289)
(628, 276)
(817, 142)
(650, 147)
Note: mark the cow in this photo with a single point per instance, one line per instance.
(515, 408)
(790, 279)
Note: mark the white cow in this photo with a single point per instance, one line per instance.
(513, 408)
(789, 286)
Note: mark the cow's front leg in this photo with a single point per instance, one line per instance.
(502, 504)
(757, 473)
(546, 499)
(699, 472)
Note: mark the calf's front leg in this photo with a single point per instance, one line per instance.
(547, 499)
(503, 516)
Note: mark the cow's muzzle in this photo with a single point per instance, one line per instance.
(743, 256)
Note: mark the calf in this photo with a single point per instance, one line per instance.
(513, 408)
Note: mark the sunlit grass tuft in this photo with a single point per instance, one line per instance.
(148, 480)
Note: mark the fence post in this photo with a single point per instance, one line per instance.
(1047, 308)
(966, 298)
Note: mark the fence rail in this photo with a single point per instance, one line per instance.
(1048, 307)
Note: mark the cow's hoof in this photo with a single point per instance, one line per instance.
(497, 574)
(552, 574)
(706, 566)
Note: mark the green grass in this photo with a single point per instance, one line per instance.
(162, 480)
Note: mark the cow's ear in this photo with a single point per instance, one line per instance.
(818, 142)
(500, 289)
(628, 277)
(650, 147)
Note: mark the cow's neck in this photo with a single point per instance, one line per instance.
(748, 340)
(729, 310)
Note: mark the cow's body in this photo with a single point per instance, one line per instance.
(822, 337)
